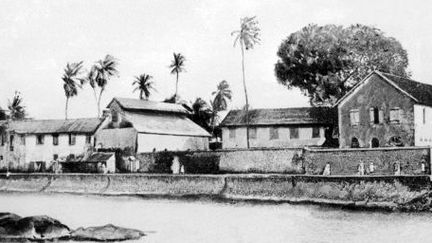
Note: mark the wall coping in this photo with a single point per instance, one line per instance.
(228, 150)
(365, 149)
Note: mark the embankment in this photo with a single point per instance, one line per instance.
(390, 192)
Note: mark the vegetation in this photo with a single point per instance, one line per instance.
(144, 85)
(99, 75)
(177, 66)
(71, 82)
(325, 62)
(16, 108)
(247, 36)
(222, 96)
(201, 113)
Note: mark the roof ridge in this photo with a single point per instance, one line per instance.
(408, 79)
(73, 119)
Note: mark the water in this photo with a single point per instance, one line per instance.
(208, 221)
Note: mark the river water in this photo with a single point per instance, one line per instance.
(168, 220)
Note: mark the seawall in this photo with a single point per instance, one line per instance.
(359, 191)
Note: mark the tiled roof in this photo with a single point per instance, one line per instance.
(420, 91)
(169, 124)
(129, 104)
(83, 125)
(282, 116)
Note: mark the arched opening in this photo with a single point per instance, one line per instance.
(355, 143)
(375, 143)
(396, 141)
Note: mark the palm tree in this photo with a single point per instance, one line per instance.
(247, 36)
(177, 66)
(104, 70)
(144, 85)
(222, 95)
(16, 109)
(71, 82)
(90, 78)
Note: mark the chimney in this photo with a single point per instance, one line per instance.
(106, 113)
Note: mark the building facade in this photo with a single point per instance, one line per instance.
(146, 126)
(273, 128)
(386, 110)
(34, 143)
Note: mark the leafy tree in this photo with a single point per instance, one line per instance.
(2, 114)
(16, 108)
(177, 66)
(144, 84)
(71, 82)
(201, 113)
(247, 36)
(325, 62)
(99, 75)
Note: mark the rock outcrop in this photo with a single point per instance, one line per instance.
(42, 228)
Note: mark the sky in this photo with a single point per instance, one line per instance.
(38, 38)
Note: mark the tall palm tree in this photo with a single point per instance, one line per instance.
(247, 36)
(90, 78)
(144, 84)
(177, 66)
(104, 70)
(71, 82)
(16, 108)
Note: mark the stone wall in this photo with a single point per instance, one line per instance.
(263, 160)
(367, 191)
(346, 161)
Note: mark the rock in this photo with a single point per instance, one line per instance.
(13, 226)
(107, 232)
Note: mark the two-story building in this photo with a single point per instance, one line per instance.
(29, 142)
(386, 110)
(272, 128)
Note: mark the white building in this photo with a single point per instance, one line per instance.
(145, 126)
(273, 128)
(32, 143)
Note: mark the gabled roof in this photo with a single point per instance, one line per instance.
(281, 116)
(164, 123)
(421, 93)
(129, 104)
(83, 125)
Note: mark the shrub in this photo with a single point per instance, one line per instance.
(200, 163)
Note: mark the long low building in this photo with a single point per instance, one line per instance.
(36, 143)
(286, 127)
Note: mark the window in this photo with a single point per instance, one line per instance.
(40, 139)
(88, 139)
(114, 116)
(55, 156)
(22, 139)
(424, 115)
(354, 117)
(375, 143)
(252, 133)
(55, 139)
(374, 115)
(294, 133)
(11, 143)
(395, 115)
(3, 139)
(72, 139)
(1, 157)
(355, 143)
(315, 132)
(274, 133)
(232, 132)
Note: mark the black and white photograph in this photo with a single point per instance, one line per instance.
(219, 121)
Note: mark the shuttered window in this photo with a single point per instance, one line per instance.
(252, 133)
(395, 115)
(354, 117)
(294, 133)
(274, 133)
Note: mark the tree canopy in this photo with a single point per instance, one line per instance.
(326, 61)
(16, 107)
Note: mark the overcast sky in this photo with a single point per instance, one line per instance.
(38, 38)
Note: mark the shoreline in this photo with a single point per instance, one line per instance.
(386, 193)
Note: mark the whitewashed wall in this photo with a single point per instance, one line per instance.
(147, 142)
(263, 138)
(423, 131)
